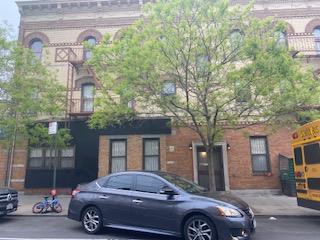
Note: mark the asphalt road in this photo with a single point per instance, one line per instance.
(45, 228)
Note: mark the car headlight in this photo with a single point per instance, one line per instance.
(229, 212)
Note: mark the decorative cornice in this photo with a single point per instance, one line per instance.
(42, 7)
(288, 13)
(80, 23)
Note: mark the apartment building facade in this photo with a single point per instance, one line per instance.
(245, 159)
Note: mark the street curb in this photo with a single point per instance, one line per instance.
(257, 215)
(34, 215)
(288, 216)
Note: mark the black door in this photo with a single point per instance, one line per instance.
(203, 168)
(150, 209)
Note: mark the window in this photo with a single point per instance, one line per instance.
(151, 154)
(169, 88)
(149, 184)
(259, 154)
(92, 41)
(36, 46)
(236, 39)
(242, 92)
(132, 104)
(49, 158)
(44, 158)
(316, 34)
(118, 160)
(281, 39)
(87, 93)
(298, 156)
(312, 153)
(67, 158)
(123, 182)
(36, 158)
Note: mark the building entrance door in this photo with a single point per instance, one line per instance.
(203, 168)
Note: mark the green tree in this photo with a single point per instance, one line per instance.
(206, 65)
(28, 92)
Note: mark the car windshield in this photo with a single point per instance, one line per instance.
(182, 183)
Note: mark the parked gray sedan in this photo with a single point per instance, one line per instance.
(163, 203)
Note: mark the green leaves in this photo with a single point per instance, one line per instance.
(193, 44)
(28, 91)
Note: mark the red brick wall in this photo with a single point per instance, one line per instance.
(18, 166)
(176, 157)
(180, 161)
(3, 161)
(134, 153)
(239, 157)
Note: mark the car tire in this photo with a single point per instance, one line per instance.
(92, 221)
(199, 224)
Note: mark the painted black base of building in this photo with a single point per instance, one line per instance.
(86, 142)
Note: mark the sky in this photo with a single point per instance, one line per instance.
(9, 13)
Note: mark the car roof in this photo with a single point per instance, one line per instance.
(158, 173)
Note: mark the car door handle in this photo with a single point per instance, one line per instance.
(137, 201)
(104, 197)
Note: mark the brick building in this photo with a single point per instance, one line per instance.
(56, 29)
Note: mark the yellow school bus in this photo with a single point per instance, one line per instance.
(306, 149)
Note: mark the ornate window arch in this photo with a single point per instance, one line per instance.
(36, 35)
(119, 34)
(312, 25)
(290, 29)
(89, 33)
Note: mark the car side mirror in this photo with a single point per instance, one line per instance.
(167, 191)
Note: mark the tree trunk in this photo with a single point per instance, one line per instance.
(212, 179)
(11, 157)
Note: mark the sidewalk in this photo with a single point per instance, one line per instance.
(274, 204)
(262, 203)
(26, 203)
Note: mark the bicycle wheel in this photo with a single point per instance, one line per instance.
(57, 208)
(38, 207)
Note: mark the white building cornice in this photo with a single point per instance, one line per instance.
(39, 7)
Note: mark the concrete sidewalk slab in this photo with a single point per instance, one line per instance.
(26, 203)
(270, 204)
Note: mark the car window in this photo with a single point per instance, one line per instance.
(123, 182)
(182, 183)
(149, 184)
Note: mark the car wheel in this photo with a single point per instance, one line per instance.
(199, 227)
(92, 220)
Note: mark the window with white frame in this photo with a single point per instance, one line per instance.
(118, 156)
(151, 154)
(259, 154)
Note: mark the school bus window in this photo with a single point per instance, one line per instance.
(298, 156)
(312, 153)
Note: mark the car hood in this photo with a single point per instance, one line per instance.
(7, 191)
(225, 197)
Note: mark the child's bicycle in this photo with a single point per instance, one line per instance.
(46, 204)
